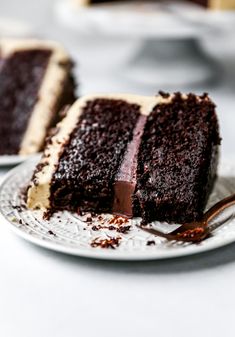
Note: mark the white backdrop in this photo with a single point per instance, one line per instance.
(44, 294)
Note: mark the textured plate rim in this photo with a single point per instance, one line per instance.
(104, 254)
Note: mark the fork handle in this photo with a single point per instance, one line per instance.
(218, 208)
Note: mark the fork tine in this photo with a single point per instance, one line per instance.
(190, 235)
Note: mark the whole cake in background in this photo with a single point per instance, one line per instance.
(36, 83)
(214, 4)
(154, 157)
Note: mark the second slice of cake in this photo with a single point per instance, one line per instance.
(36, 83)
(154, 157)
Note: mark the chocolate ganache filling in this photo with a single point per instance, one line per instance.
(125, 180)
(21, 75)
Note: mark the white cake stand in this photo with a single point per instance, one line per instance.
(170, 33)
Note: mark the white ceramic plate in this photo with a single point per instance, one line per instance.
(10, 160)
(68, 233)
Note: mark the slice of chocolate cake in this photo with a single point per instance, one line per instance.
(36, 82)
(131, 155)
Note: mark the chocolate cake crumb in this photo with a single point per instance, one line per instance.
(118, 220)
(47, 214)
(164, 94)
(124, 229)
(150, 243)
(111, 228)
(94, 214)
(95, 228)
(112, 243)
(17, 207)
(79, 212)
(51, 233)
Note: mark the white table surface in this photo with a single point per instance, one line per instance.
(45, 294)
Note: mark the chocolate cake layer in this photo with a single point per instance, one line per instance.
(21, 75)
(89, 163)
(36, 82)
(178, 159)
